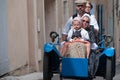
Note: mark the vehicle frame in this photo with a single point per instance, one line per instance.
(77, 68)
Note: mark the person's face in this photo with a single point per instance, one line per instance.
(80, 8)
(87, 8)
(85, 22)
(76, 25)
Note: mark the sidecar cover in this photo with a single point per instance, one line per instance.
(48, 47)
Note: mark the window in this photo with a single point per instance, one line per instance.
(65, 11)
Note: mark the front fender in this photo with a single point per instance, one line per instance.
(110, 51)
(48, 47)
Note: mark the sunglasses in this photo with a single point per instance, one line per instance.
(85, 21)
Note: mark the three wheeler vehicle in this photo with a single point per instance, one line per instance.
(77, 68)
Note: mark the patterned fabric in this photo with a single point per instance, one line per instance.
(93, 63)
(76, 50)
(76, 34)
(92, 36)
(92, 40)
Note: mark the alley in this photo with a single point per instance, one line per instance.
(25, 27)
(39, 76)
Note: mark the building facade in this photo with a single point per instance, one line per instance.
(110, 20)
(25, 27)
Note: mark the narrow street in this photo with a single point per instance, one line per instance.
(39, 76)
(56, 77)
(26, 25)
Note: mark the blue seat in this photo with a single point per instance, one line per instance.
(74, 67)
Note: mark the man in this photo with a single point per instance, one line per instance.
(80, 7)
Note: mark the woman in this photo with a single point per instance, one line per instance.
(93, 21)
(86, 25)
(94, 57)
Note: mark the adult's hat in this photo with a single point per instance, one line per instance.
(80, 2)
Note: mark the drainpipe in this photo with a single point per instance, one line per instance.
(36, 34)
(43, 2)
(56, 15)
(113, 23)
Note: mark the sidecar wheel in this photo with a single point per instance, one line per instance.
(47, 73)
(109, 69)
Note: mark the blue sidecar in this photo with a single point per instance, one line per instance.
(77, 68)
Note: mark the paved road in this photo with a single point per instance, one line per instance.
(39, 76)
(56, 77)
(117, 76)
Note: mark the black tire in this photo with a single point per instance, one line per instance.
(109, 69)
(46, 67)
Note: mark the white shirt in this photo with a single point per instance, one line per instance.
(68, 25)
(93, 22)
(84, 34)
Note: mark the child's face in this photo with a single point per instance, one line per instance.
(76, 25)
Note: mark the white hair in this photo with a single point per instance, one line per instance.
(86, 15)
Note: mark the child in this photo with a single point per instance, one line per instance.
(76, 35)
